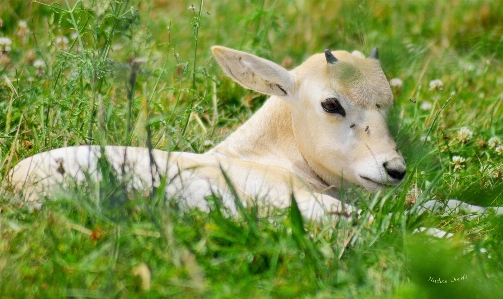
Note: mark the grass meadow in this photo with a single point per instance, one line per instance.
(132, 72)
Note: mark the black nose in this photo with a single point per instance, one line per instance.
(395, 170)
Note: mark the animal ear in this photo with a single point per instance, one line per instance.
(254, 72)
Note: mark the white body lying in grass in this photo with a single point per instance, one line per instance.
(323, 126)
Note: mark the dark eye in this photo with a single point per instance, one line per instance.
(332, 105)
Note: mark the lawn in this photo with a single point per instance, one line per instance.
(140, 73)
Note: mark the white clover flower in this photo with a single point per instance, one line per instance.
(22, 25)
(499, 150)
(458, 162)
(436, 84)
(396, 83)
(464, 135)
(493, 142)
(5, 43)
(22, 30)
(39, 64)
(426, 105)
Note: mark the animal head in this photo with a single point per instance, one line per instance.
(339, 103)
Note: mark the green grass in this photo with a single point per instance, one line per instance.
(141, 73)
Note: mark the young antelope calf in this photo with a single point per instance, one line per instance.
(323, 126)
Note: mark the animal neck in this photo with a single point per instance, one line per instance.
(267, 138)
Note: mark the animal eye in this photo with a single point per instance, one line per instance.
(333, 106)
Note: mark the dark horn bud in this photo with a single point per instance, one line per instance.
(374, 53)
(330, 57)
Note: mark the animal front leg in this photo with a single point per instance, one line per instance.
(451, 207)
(454, 206)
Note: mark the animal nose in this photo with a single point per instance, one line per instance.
(395, 169)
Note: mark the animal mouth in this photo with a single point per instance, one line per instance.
(379, 184)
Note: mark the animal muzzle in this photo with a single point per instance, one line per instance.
(375, 176)
(395, 168)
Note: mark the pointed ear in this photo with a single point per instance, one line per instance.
(254, 72)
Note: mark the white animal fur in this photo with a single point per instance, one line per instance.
(289, 145)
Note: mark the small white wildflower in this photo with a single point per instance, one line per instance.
(458, 162)
(5, 43)
(22, 25)
(464, 135)
(39, 64)
(493, 142)
(499, 150)
(436, 84)
(426, 105)
(192, 7)
(62, 42)
(74, 35)
(396, 83)
(22, 30)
